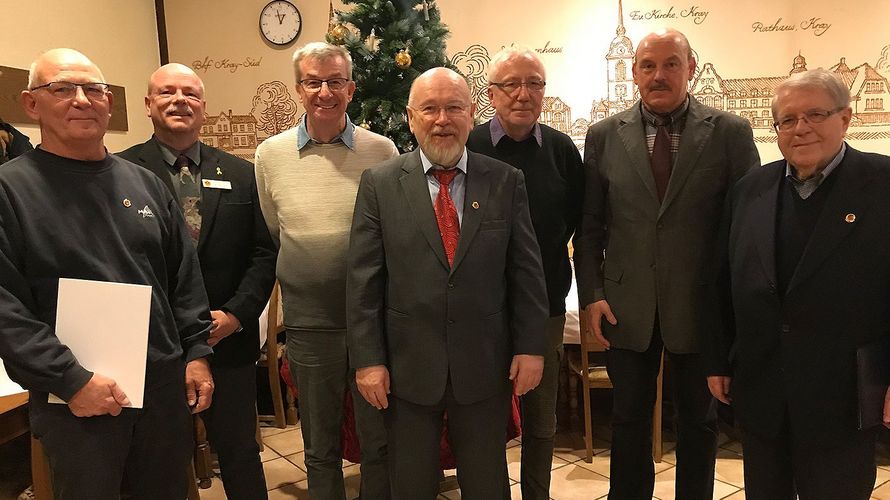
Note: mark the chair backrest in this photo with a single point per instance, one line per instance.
(275, 320)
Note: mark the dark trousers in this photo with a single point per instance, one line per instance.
(777, 468)
(142, 452)
(320, 366)
(476, 433)
(539, 419)
(231, 428)
(634, 377)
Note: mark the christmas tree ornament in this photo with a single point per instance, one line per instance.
(403, 59)
(337, 34)
(372, 42)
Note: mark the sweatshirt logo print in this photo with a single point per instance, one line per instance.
(146, 213)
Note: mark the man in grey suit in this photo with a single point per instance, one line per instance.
(657, 177)
(446, 297)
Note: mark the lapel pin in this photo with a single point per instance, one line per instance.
(475, 205)
(850, 218)
(127, 202)
(218, 171)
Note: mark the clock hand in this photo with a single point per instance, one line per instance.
(280, 16)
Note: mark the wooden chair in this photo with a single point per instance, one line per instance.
(594, 376)
(282, 416)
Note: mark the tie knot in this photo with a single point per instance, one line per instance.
(444, 176)
(662, 120)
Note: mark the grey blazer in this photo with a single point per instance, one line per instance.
(425, 321)
(643, 256)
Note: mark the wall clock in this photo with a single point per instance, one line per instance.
(280, 22)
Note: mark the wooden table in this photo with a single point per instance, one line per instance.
(14, 423)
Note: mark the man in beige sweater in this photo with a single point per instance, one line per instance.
(307, 179)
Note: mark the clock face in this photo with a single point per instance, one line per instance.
(280, 22)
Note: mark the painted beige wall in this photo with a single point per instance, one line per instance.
(119, 36)
(725, 37)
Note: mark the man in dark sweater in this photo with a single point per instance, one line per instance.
(555, 180)
(807, 262)
(69, 209)
(217, 193)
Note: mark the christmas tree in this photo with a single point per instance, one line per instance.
(391, 43)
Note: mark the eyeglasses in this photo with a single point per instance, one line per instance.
(314, 85)
(67, 90)
(512, 87)
(814, 116)
(451, 110)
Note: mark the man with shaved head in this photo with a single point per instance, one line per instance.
(657, 175)
(553, 172)
(71, 210)
(218, 195)
(446, 297)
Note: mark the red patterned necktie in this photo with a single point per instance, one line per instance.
(446, 212)
(661, 156)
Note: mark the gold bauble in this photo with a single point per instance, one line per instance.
(403, 59)
(337, 34)
(365, 125)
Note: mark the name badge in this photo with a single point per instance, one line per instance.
(214, 184)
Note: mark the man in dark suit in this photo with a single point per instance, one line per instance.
(218, 196)
(446, 297)
(657, 176)
(810, 280)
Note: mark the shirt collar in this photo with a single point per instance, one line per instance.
(170, 155)
(675, 115)
(427, 164)
(822, 174)
(346, 136)
(498, 132)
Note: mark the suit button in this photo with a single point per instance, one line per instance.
(450, 321)
(660, 225)
(450, 285)
(786, 328)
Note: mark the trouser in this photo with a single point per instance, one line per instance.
(634, 377)
(777, 468)
(143, 453)
(231, 428)
(476, 433)
(320, 366)
(539, 419)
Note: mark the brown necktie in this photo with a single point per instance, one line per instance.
(446, 212)
(661, 155)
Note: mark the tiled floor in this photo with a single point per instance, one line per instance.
(572, 477)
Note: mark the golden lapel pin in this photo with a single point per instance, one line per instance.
(475, 205)
(218, 171)
(127, 202)
(850, 218)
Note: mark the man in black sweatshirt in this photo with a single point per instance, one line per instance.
(555, 181)
(68, 209)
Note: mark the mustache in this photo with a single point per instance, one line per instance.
(659, 86)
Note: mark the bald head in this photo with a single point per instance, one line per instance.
(665, 36)
(439, 78)
(175, 104)
(174, 71)
(54, 60)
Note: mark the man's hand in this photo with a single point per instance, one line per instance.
(100, 396)
(887, 409)
(595, 312)
(719, 387)
(198, 384)
(224, 324)
(373, 384)
(525, 372)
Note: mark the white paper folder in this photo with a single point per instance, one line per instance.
(106, 327)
